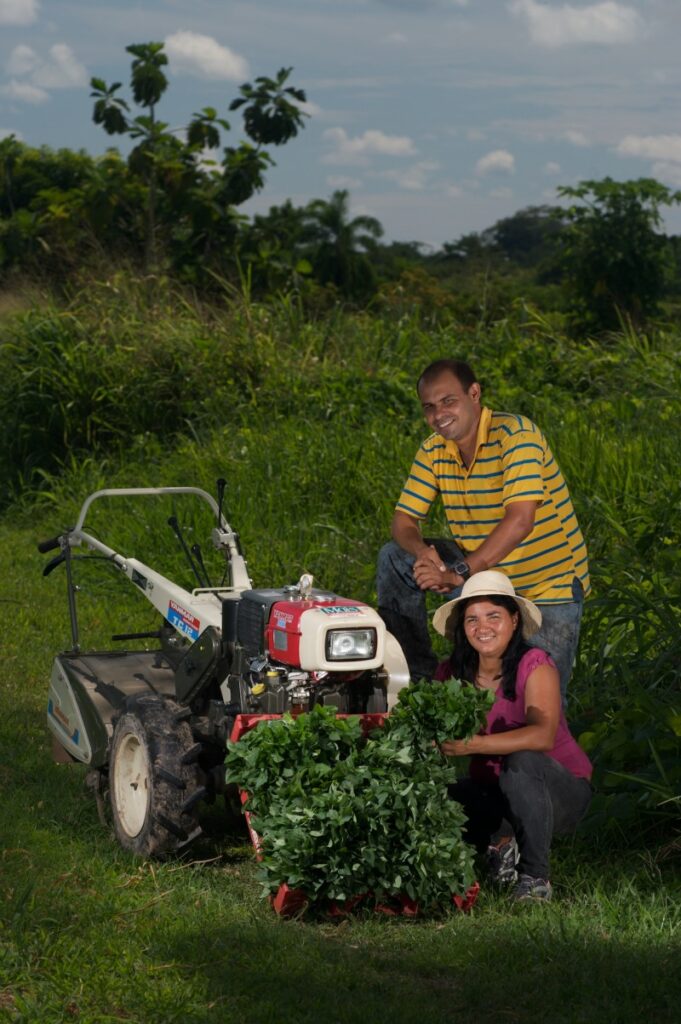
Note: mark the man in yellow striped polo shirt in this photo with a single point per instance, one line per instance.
(507, 506)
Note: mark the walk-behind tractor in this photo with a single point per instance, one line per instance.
(152, 724)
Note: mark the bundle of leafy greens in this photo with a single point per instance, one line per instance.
(292, 754)
(434, 712)
(341, 815)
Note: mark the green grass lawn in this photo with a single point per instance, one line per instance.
(91, 935)
(314, 424)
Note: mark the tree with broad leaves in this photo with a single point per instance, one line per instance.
(617, 264)
(148, 83)
(271, 117)
(191, 200)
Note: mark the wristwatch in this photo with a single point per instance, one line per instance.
(462, 568)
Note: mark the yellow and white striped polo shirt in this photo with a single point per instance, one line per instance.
(513, 462)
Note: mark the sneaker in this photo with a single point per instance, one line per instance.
(502, 857)
(529, 888)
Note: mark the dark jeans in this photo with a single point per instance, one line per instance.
(536, 795)
(402, 606)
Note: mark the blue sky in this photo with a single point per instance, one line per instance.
(438, 116)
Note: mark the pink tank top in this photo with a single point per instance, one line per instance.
(510, 714)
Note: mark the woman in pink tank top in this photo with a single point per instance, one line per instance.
(528, 777)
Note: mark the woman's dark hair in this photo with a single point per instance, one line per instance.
(464, 659)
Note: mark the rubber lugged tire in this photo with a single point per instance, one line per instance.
(154, 779)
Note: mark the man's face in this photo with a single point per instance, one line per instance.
(451, 411)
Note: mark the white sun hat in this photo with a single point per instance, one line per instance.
(486, 584)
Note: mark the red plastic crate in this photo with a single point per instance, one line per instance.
(244, 723)
(288, 902)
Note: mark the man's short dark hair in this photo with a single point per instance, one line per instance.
(462, 371)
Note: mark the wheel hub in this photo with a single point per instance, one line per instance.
(131, 784)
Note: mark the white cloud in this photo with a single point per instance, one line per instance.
(576, 137)
(666, 148)
(414, 178)
(24, 92)
(396, 38)
(497, 160)
(670, 173)
(18, 12)
(22, 59)
(501, 193)
(204, 56)
(454, 191)
(313, 109)
(61, 71)
(607, 23)
(551, 167)
(371, 143)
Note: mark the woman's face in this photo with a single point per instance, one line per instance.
(488, 627)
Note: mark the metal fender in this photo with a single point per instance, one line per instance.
(81, 705)
(64, 716)
(396, 668)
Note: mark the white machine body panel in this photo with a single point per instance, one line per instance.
(64, 718)
(188, 612)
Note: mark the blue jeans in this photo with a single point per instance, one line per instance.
(538, 797)
(559, 633)
(402, 606)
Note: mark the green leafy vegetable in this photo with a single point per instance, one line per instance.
(295, 752)
(435, 712)
(342, 815)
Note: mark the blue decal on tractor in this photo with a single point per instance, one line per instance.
(181, 623)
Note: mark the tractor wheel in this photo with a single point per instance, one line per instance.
(154, 778)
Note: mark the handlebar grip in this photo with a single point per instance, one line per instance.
(54, 563)
(48, 545)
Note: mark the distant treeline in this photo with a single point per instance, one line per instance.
(171, 207)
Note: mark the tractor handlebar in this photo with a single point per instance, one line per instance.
(48, 545)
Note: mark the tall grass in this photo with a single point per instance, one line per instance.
(313, 422)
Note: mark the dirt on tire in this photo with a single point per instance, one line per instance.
(169, 779)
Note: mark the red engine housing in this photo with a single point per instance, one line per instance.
(284, 628)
